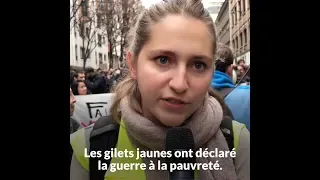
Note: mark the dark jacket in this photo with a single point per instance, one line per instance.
(74, 125)
(109, 83)
(97, 85)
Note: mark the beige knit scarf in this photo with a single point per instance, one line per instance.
(204, 124)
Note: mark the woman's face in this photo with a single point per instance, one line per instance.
(174, 69)
(240, 69)
(82, 88)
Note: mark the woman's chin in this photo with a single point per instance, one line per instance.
(172, 121)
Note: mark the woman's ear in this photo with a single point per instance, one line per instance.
(131, 65)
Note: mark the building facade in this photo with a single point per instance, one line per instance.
(239, 15)
(233, 27)
(223, 25)
(94, 44)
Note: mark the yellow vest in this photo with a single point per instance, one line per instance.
(79, 139)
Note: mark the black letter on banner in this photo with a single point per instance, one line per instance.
(98, 105)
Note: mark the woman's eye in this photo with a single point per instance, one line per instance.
(199, 65)
(163, 60)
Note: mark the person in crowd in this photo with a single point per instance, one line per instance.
(94, 82)
(222, 77)
(79, 88)
(241, 69)
(80, 76)
(243, 75)
(237, 98)
(247, 75)
(119, 76)
(240, 72)
(109, 78)
(99, 70)
(109, 74)
(116, 76)
(170, 69)
(72, 77)
(241, 62)
(103, 73)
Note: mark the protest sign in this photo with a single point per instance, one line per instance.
(90, 108)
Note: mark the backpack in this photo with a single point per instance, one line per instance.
(225, 92)
(104, 136)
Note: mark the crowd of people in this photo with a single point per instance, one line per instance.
(233, 83)
(179, 77)
(243, 72)
(90, 81)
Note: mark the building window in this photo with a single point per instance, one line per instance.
(236, 43)
(233, 45)
(82, 52)
(98, 21)
(245, 36)
(76, 49)
(99, 40)
(241, 40)
(232, 18)
(239, 9)
(235, 15)
(105, 58)
(95, 54)
(100, 58)
(75, 27)
(88, 32)
(244, 6)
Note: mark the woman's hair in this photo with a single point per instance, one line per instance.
(239, 61)
(224, 57)
(71, 78)
(214, 93)
(140, 34)
(74, 87)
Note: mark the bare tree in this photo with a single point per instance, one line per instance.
(116, 16)
(90, 30)
(130, 9)
(77, 7)
(74, 7)
(110, 23)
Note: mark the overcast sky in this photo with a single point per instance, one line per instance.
(212, 5)
(206, 3)
(147, 3)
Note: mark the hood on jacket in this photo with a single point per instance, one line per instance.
(221, 80)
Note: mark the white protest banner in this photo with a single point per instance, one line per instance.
(89, 108)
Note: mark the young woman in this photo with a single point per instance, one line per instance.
(171, 62)
(79, 88)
